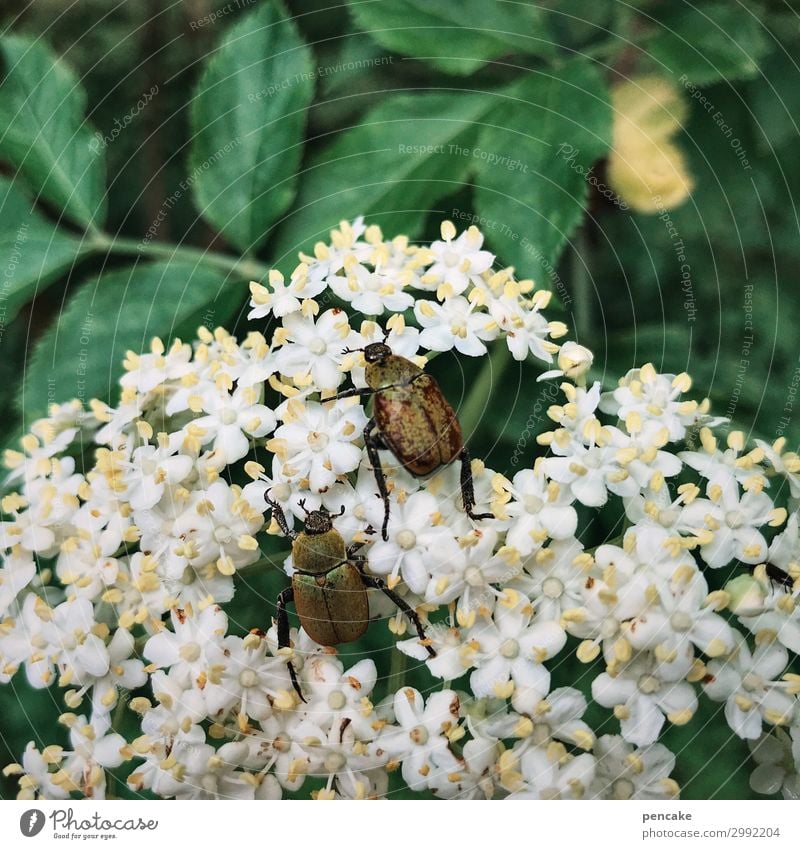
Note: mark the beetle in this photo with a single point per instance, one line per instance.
(329, 586)
(412, 419)
(776, 575)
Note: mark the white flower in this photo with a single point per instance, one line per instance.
(40, 781)
(653, 397)
(540, 777)
(93, 751)
(123, 672)
(210, 773)
(25, 642)
(639, 453)
(745, 683)
(784, 463)
(346, 241)
(469, 576)
(80, 654)
(421, 734)
(540, 509)
(589, 474)
(334, 694)
(763, 605)
(553, 580)
(525, 328)
(41, 516)
(230, 420)
(776, 755)
(711, 462)
(313, 351)
(577, 420)
(559, 717)
(511, 652)
(278, 299)
(147, 371)
(574, 361)
(625, 772)
(153, 468)
(680, 618)
(48, 437)
(454, 324)
(473, 775)
(733, 522)
(17, 572)
(242, 676)
(457, 262)
(218, 526)
(181, 707)
(784, 550)
(371, 291)
(643, 693)
(416, 546)
(186, 649)
(316, 443)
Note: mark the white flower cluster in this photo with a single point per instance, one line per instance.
(117, 583)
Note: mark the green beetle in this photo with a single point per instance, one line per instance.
(329, 586)
(412, 419)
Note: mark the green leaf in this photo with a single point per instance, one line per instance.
(776, 100)
(393, 167)
(248, 117)
(43, 132)
(537, 149)
(81, 354)
(34, 251)
(457, 38)
(709, 42)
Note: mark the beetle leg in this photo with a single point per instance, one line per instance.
(379, 584)
(352, 551)
(467, 489)
(280, 518)
(361, 392)
(373, 442)
(284, 642)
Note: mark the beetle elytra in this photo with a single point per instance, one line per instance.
(412, 419)
(329, 586)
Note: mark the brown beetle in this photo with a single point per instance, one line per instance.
(329, 586)
(412, 419)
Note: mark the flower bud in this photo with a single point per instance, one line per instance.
(747, 595)
(574, 360)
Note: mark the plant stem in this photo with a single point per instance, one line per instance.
(582, 289)
(397, 671)
(119, 710)
(478, 399)
(235, 266)
(116, 722)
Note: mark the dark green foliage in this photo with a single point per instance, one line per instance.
(193, 140)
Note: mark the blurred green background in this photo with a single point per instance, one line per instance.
(178, 149)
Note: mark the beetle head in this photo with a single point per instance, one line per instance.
(377, 352)
(318, 521)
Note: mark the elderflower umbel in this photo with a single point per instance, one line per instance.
(130, 534)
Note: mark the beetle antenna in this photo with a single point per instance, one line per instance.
(352, 350)
(341, 512)
(302, 504)
(386, 335)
